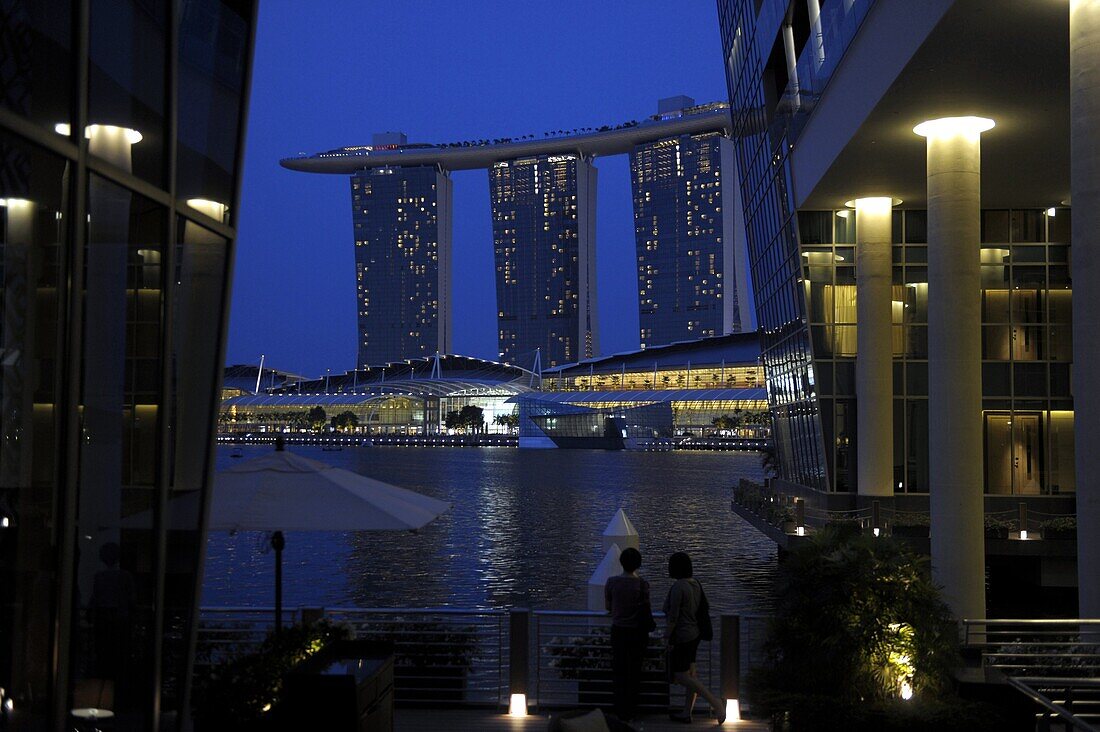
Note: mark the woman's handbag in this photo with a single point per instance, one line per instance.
(702, 617)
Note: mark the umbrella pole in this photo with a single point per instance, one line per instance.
(277, 543)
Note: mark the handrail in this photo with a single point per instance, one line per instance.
(1020, 684)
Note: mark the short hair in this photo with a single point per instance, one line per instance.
(679, 566)
(631, 559)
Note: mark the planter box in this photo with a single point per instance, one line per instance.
(912, 532)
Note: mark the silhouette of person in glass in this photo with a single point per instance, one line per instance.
(112, 610)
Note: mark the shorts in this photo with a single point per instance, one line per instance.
(682, 655)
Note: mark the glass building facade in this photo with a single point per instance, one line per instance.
(684, 243)
(544, 247)
(803, 269)
(402, 220)
(121, 129)
(1027, 409)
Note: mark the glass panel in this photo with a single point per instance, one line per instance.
(995, 226)
(996, 379)
(36, 71)
(1028, 225)
(126, 85)
(200, 284)
(995, 305)
(121, 364)
(917, 255)
(815, 227)
(845, 445)
(1062, 477)
(213, 50)
(916, 227)
(998, 454)
(916, 453)
(1059, 226)
(1061, 343)
(916, 378)
(1030, 379)
(996, 342)
(33, 216)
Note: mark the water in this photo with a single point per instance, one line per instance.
(524, 531)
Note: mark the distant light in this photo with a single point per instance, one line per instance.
(1052, 211)
(800, 530)
(947, 126)
(906, 690)
(1023, 534)
(5, 522)
(876, 531)
(517, 706)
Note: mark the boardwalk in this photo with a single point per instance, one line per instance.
(474, 720)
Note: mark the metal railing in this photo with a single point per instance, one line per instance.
(1056, 663)
(441, 655)
(464, 657)
(572, 660)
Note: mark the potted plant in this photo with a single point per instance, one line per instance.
(586, 659)
(1062, 527)
(997, 527)
(431, 659)
(243, 693)
(912, 525)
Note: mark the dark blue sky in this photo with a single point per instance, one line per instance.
(330, 73)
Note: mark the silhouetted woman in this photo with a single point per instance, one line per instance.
(627, 599)
(682, 614)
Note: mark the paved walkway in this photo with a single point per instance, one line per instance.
(476, 720)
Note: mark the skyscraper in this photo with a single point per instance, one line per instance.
(402, 220)
(544, 246)
(684, 230)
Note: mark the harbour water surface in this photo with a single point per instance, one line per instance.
(524, 531)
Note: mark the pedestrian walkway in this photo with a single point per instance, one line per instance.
(482, 720)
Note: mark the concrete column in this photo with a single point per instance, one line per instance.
(817, 38)
(874, 348)
(955, 359)
(1084, 140)
(792, 64)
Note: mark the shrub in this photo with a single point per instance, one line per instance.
(858, 625)
(240, 693)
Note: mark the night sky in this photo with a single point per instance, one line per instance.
(330, 73)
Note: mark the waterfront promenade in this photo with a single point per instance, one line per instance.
(476, 720)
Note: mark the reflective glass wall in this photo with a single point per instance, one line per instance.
(114, 273)
(1026, 346)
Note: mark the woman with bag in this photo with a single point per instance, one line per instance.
(627, 599)
(687, 618)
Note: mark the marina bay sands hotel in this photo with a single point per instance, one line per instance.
(687, 222)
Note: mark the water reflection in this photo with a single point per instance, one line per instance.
(524, 531)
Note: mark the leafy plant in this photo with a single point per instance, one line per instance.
(573, 656)
(1062, 523)
(858, 622)
(240, 693)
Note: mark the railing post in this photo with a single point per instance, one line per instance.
(311, 615)
(800, 516)
(519, 644)
(730, 664)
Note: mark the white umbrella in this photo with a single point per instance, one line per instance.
(282, 491)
